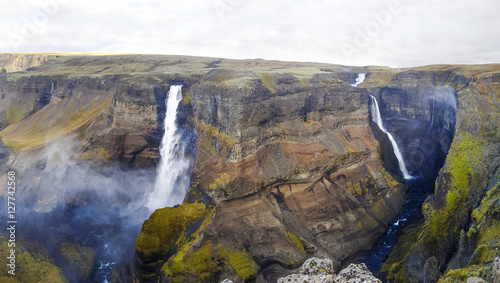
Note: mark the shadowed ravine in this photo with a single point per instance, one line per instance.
(430, 136)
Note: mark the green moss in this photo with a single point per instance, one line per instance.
(187, 97)
(29, 266)
(200, 262)
(184, 261)
(297, 242)
(461, 164)
(210, 136)
(393, 265)
(163, 227)
(79, 256)
(16, 113)
(268, 81)
(240, 261)
(487, 203)
(379, 78)
(96, 153)
(461, 275)
(479, 255)
(220, 182)
(471, 232)
(388, 178)
(54, 121)
(488, 228)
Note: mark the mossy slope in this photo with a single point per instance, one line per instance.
(30, 267)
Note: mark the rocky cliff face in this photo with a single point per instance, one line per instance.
(287, 163)
(442, 243)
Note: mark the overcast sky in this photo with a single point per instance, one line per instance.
(396, 33)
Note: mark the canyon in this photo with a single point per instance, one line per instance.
(287, 161)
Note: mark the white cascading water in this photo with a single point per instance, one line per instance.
(360, 78)
(377, 118)
(172, 178)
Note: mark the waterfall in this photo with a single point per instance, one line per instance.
(377, 119)
(172, 176)
(360, 78)
(433, 107)
(52, 89)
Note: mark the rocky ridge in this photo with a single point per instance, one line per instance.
(316, 270)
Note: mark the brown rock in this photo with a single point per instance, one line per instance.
(134, 143)
(431, 270)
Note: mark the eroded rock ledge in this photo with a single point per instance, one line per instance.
(316, 270)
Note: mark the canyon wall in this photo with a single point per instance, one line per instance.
(287, 162)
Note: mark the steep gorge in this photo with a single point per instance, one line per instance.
(287, 162)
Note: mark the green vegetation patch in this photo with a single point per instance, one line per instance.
(461, 275)
(210, 137)
(163, 227)
(379, 78)
(240, 260)
(15, 113)
(268, 81)
(54, 121)
(96, 153)
(79, 256)
(29, 267)
(192, 259)
(296, 241)
(220, 182)
(461, 164)
(487, 225)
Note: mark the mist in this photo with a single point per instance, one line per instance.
(97, 204)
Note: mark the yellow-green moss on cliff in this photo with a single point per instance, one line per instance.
(192, 259)
(96, 153)
(212, 132)
(461, 164)
(54, 121)
(16, 112)
(220, 181)
(268, 81)
(297, 242)
(488, 239)
(79, 256)
(29, 267)
(488, 225)
(461, 275)
(199, 264)
(164, 226)
(240, 260)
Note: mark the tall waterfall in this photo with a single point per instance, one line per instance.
(377, 119)
(360, 78)
(172, 176)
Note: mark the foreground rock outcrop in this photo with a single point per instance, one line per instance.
(316, 270)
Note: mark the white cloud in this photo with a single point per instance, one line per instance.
(411, 33)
